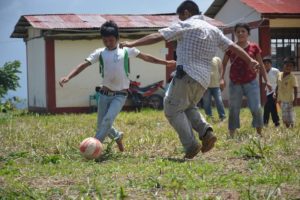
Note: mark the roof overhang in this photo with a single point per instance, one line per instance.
(287, 8)
(77, 24)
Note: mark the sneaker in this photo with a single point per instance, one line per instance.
(120, 143)
(208, 141)
(222, 119)
(193, 153)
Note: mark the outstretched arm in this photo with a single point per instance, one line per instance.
(242, 54)
(263, 71)
(151, 59)
(223, 70)
(74, 72)
(147, 40)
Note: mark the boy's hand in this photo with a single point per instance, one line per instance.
(171, 63)
(222, 84)
(254, 65)
(125, 44)
(269, 86)
(63, 81)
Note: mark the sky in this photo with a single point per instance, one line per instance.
(11, 10)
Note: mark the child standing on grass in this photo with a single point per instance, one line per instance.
(214, 90)
(270, 105)
(114, 70)
(286, 92)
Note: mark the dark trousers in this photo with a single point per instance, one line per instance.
(270, 107)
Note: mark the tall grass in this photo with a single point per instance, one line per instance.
(39, 159)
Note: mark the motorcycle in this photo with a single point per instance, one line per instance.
(147, 96)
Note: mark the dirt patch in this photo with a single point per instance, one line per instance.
(50, 182)
(2, 181)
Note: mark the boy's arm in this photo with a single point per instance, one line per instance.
(223, 70)
(151, 59)
(147, 40)
(275, 95)
(242, 54)
(74, 72)
(263, 71)
(295, 96)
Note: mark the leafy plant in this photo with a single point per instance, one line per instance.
(254, 149)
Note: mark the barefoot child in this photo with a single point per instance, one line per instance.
(286, 92)
(114, 70)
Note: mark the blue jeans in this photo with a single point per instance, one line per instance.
(252, 92)
(108, 109)
(216, 93)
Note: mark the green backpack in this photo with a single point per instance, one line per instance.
(126, 64)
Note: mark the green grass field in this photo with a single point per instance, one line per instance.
(40, 159)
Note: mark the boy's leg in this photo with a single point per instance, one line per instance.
(114, 108)
(204, 130)
(288, 113)
(103, 104)
(216, 92)
(175, 103)
(207, 102)
(235, 101)
(197, 120)
(267, 109)
(252, 92)
(273, 110)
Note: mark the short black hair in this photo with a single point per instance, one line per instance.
(189, 5)
(242, 25)
(267, 59)
(109, 28)
(289, 60)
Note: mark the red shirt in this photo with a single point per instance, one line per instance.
(240, 72)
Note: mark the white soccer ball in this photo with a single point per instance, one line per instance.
(91, 148)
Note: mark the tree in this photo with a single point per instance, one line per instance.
(9, 79)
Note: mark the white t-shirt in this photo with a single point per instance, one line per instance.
(215, 73)
(115, 77)
(272, 77)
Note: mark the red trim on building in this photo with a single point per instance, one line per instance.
(72, 110)
(264, 32)
(62, 110)
(50, 75)
(37, 109)
(264, 35)
(169, 56)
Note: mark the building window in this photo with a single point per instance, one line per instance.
(284, 43)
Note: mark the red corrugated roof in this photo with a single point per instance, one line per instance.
(66, 21)
(278, 7)
(274, 6)
(94, 21)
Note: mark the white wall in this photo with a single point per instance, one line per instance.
(36, 73)
(235, 11)
(68, 54)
